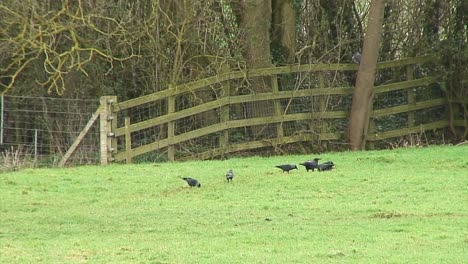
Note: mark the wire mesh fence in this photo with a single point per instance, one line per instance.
(37, 131)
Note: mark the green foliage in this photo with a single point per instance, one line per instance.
(405, 205)
(454, 58)
(277, 53)
(297, 4)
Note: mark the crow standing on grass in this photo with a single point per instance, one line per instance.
(326, 166)
(192, 182)
(311, 164)
(287, 167)
(229, 175)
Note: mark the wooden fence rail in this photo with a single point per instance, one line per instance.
(168, 118)
(199, 84)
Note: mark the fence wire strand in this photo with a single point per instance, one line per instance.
(40, 130)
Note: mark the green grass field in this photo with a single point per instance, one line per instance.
(400, 206)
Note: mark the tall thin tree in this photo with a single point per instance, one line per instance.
(364, 90)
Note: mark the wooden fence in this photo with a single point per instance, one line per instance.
(160, 133)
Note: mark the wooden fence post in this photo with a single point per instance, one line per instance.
(106, 134)
(278, 109)
(114, 112)
(170, 127)
(322, 108)
(128, 141)
(370, 127)
(411, 98)
(224, 115)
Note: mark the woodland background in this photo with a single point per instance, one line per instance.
(82, 50)
(86, 49)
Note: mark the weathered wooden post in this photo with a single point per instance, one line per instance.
(371, 128)
(170, 126)
(322, 108)
(114, 113)
(278, 109)
(106, 118)
(224, 114)
(411, 98)
(128, 141)
(2, 107)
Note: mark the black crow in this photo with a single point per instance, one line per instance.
(326, 166)
(229, 175)
(311, 164)
(287, 167)
(356, 57)
(192, 182)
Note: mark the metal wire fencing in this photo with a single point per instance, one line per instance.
(37, 131)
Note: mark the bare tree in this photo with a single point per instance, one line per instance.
(56, 41)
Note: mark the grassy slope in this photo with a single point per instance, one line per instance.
(406, 205)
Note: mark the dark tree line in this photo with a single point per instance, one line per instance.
(129, 48)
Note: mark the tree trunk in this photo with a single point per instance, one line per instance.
(256, 24)
(363, 92)
(284, 29)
